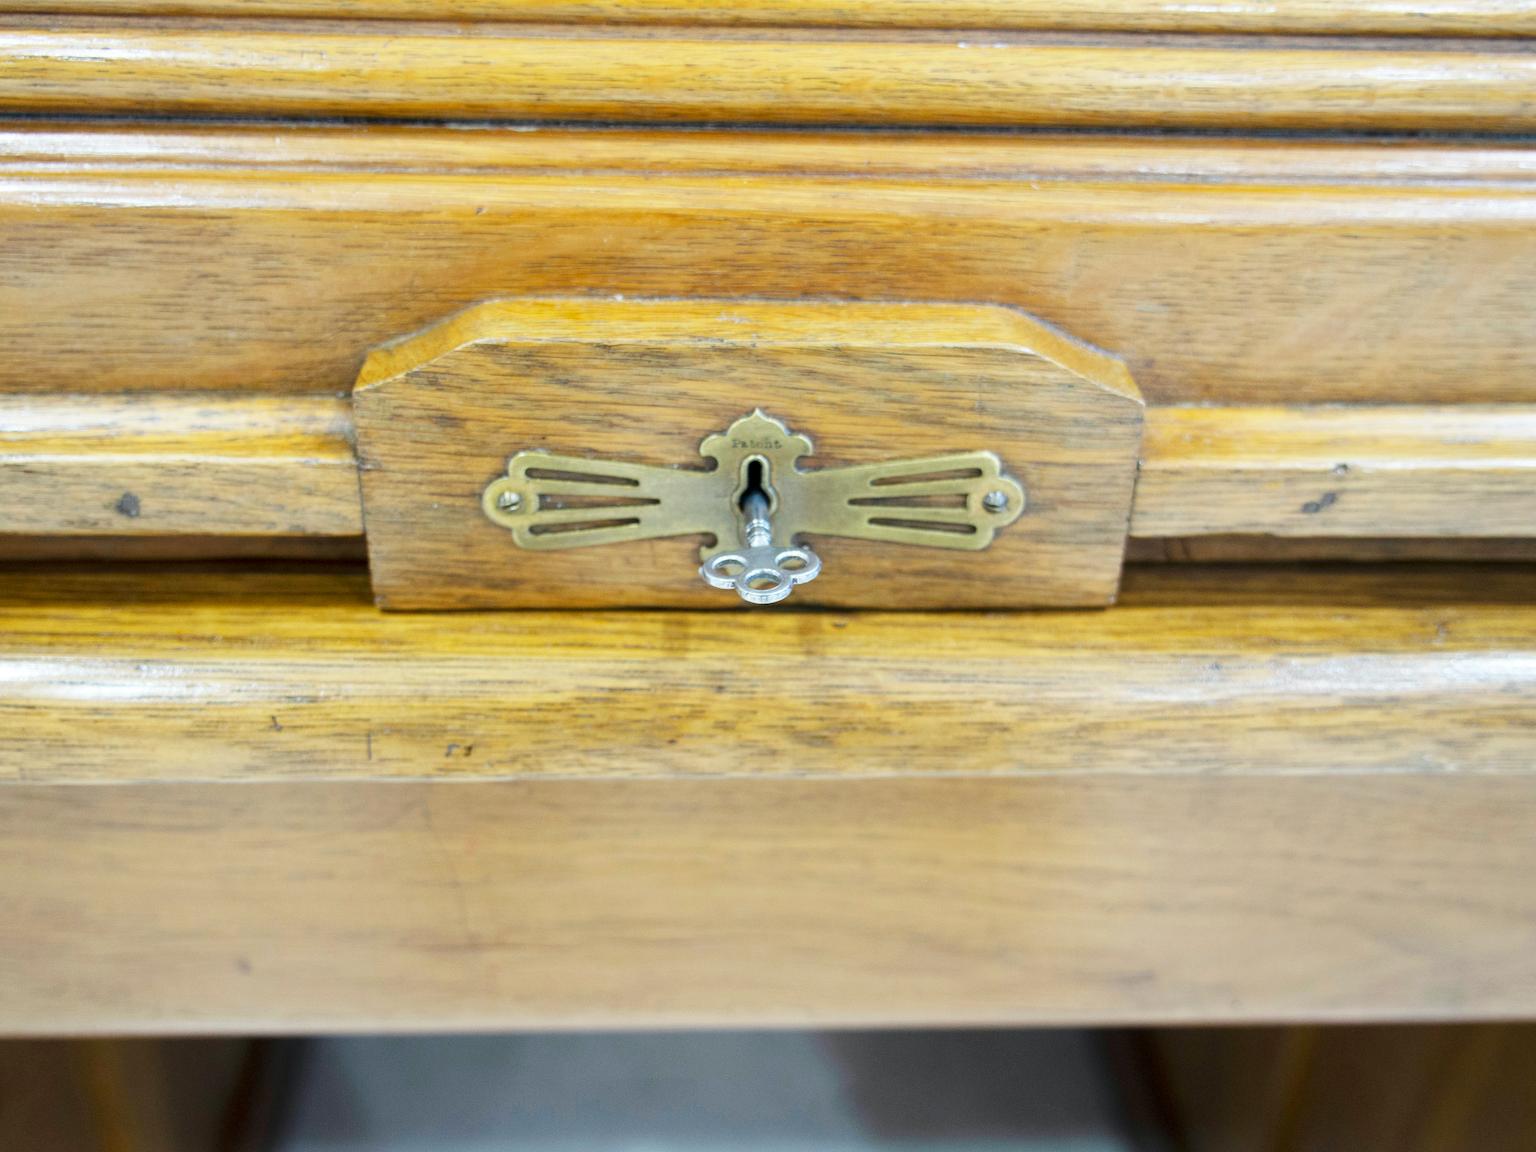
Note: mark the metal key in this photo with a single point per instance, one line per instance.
(762, 572)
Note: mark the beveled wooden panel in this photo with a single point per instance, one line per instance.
(440, 414)
(1228, 283)
(660, 903)
(1413, 17)
(120, 675)
(564, 73)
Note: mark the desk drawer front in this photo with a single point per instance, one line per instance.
(1333, 341)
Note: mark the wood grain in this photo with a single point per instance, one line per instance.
(1452, 474)
(1240, 796)
(559, 73)
(949, 156)
(1359, 471)
(15, 547)
(1401, 17)
(741, 903)
(123, 675)
(169, 464)
(1153, 550)
(1216, 281)
(1327, 549)
(440, 414)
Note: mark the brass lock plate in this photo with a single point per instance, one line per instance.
(754, 505)
(593, 453)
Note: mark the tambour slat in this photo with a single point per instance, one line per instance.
(247, 260)
(205, 465)
(1357, 17)
(1338, 471)
(567, 73)
(177, 464)
(154, 676)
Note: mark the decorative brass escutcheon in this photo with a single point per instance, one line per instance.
(755, 503)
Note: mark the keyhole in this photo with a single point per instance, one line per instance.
(756, 495)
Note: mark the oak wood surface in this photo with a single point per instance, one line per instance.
(1217, 280)
(731, 902)
(439, 416)
(1240, 549)
(174, 463)
(1357, 471)
(1226, 549)
(562, 73)
(22, 548)
(204, 464)
(1410, 17)
(1240, 796)
(126, 675)
(477, 149)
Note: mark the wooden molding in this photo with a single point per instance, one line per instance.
(1218, 273)
(116, 677)
(58, 65)
(1306, 17)
(178, 464)
(1251, 549)
(203, 465)
(1339, 471)
(991, 158)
